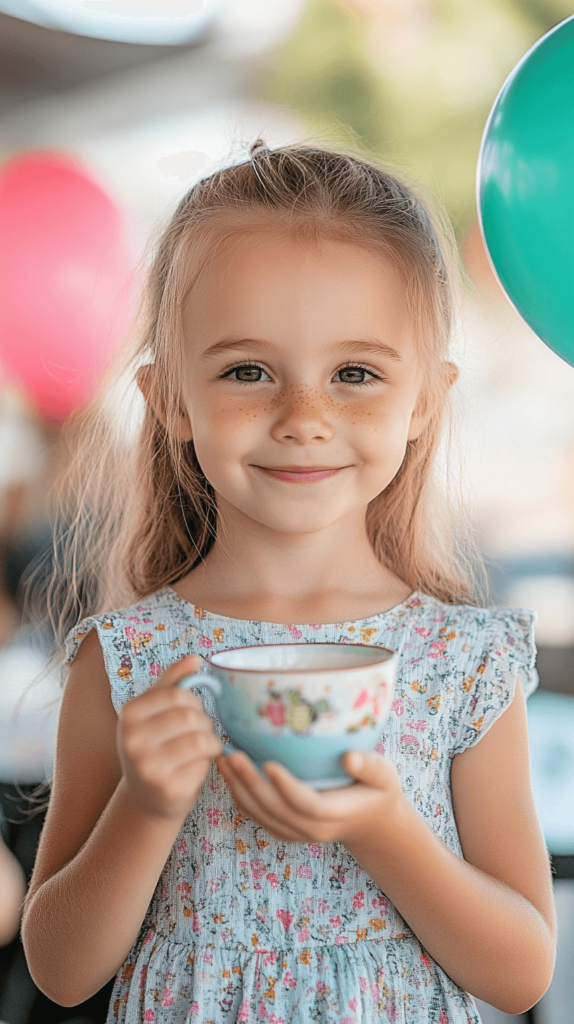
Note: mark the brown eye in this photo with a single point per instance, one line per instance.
(248, 373)
(351, 375)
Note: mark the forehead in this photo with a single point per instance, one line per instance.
(263, 281)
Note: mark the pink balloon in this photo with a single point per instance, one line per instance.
(65, 276)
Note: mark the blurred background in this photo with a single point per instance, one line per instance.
(145, 97)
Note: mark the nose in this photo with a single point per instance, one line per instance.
(302, 418)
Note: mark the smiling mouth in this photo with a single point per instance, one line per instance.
(301, 474)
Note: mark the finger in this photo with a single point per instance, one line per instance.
(170, 723)
(372, 770)
(154, 702)
(326, 807)
(298, 796)
(275, 818)
(174, 673)
(183, 750)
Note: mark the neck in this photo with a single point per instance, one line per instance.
(254, 572)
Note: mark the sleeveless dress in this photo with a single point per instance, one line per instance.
(245, 928)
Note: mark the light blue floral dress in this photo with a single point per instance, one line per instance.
(245, 928)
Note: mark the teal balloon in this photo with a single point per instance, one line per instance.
(525, 188)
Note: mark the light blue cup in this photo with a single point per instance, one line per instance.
(303, 705)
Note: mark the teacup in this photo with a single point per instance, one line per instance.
(303, 705)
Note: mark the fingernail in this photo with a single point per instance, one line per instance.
(238, 762)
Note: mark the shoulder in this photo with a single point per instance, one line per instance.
(137, 642)
(468, 632)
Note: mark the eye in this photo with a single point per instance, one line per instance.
(355, 375)
(246, 373)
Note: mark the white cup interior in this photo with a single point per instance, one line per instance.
(300, 657)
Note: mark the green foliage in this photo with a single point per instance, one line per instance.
(323, 73)
(418, 101)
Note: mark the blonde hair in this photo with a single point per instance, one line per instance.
(138, 514)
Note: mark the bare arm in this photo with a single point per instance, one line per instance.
(487, 920)
(12, 890)
(115, 810)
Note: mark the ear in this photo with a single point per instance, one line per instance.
(422, 411)
(145, 378)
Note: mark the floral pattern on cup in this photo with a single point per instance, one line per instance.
(290, 710)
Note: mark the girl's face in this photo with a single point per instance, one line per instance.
(301, 379)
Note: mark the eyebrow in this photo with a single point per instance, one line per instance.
(371, 345)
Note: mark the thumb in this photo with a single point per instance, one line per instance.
(371, 769)
(174, 673)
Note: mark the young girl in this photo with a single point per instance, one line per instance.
(294, 368)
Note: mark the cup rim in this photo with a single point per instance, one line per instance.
(390, 656)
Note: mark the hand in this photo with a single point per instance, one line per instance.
(295, 813)
(165, 744)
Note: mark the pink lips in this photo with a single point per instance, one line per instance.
(301, 474)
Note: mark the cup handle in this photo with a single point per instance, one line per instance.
(200, 679)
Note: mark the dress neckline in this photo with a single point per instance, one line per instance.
(414, 600)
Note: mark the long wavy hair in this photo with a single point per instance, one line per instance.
(134, 510)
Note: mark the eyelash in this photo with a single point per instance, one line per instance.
(348, 366)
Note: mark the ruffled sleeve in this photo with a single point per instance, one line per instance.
(115, 648)
(504, 650)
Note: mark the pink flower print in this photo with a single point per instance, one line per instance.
(438, 811)
(307, 905)
(194, 1007)
(304, 871)
(361, 699)
(257, 867)
(270, 959)
(442, 1018)
(423, 631)
(363, 984)
(295, 633)
(419, 726)
(149, 1015)
(341, 940)
(196, 924)
(320, 986)
(323, 907)
(182, 846)
(167, 998)
(149, 936)
(409, 744)
(206, 846)
(285, 918)
(155, 669)
(184, 890)
(358, 900)
(207, 958)
(274, 711)
(274, 1018)
(213, 816)
(316, 849)
(437, 649)
(335, 921)
(243, 1014)
(398, 707)
(380, 748)
(426, 960)
(353, 1004)
(214, 885)
(347, 1020)
(273, 879)
(205, 641)
(289, 981)
(303, 934)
